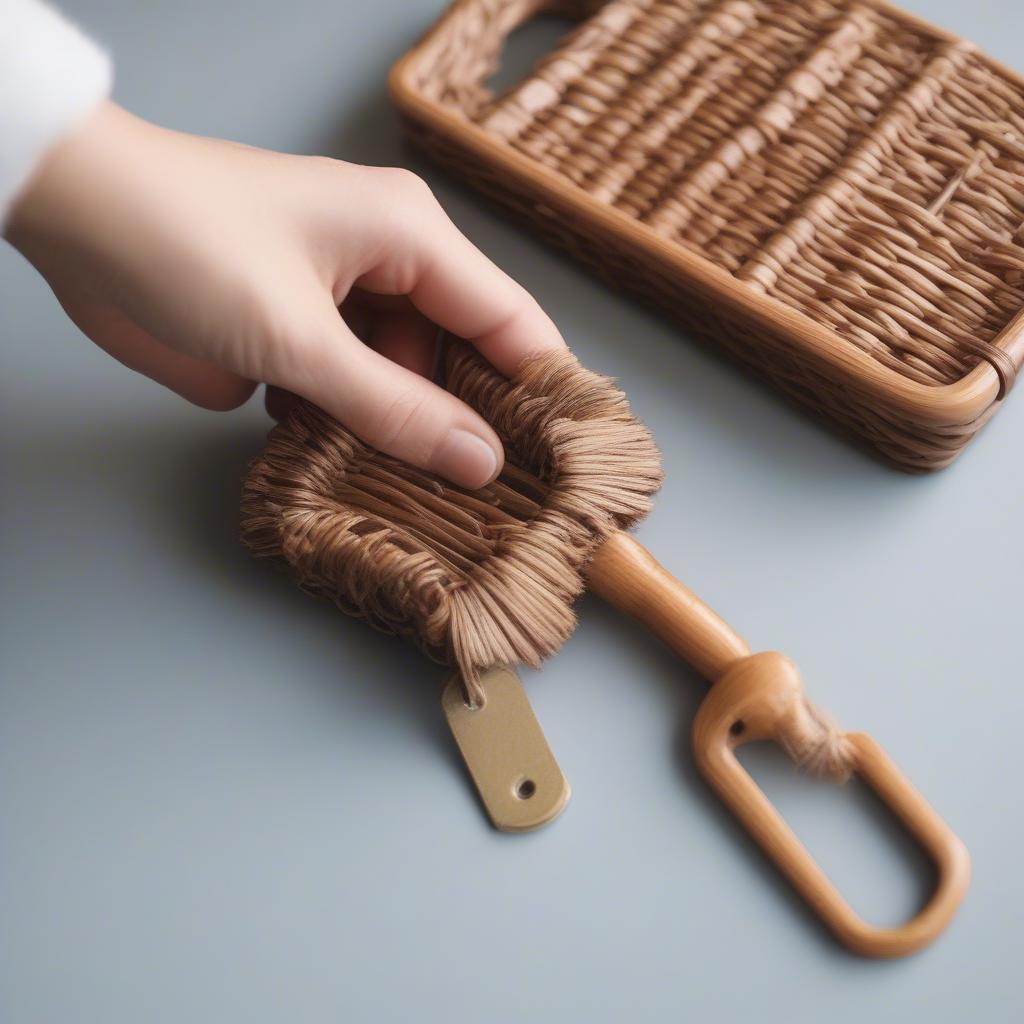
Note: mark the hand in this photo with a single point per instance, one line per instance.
(210, 266)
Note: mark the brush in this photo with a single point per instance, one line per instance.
(483, 580)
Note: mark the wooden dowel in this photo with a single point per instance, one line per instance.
(629, 578)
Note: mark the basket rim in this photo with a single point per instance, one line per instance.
(960, 402)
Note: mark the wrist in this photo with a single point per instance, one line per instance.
(60, 200)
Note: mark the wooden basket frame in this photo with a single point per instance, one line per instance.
(929, 424)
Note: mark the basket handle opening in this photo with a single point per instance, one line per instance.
(525, 46)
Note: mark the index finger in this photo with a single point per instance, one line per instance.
(457, 287)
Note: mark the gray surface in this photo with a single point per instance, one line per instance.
(223, 801)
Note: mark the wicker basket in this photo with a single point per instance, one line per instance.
(833, 192)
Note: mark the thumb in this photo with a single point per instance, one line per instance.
(394, 409)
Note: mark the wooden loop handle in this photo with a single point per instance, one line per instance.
(760, 697)
(756, 700)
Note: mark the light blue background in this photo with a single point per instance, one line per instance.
(221, 800)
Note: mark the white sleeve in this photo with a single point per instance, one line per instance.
(51, 78)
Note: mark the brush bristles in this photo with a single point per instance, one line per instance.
(477, 578)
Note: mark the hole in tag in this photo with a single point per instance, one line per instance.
(859, 844)
(525, 788)
(525, 46)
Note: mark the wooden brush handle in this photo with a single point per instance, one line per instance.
(628, 577)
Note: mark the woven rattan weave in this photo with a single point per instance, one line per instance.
(832, 192)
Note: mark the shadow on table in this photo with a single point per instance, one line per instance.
(181, 479)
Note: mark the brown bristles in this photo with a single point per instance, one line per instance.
(476, 578)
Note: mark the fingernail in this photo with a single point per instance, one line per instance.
(465, 459)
